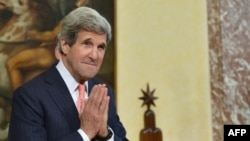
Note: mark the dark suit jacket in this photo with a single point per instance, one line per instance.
(43, 110)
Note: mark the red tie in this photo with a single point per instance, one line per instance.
(80, 100)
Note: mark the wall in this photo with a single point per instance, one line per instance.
(164, 43)
(229, 37)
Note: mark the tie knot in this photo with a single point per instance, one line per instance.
(81, 88)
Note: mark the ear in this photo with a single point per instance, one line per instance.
(65, 46)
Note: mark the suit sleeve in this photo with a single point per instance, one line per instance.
(114, 120)
(27, 119)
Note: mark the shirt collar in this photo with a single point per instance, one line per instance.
(69, 80)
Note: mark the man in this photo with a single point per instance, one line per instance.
(48, 108)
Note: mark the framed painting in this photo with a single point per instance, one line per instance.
(28, 34)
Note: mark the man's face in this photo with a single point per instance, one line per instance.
(84, 58)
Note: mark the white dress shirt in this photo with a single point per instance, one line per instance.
(72, 85)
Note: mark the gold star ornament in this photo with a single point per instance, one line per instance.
(148, 97)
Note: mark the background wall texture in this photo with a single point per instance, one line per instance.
(164, 43)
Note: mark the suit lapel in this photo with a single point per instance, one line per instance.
(61, 96)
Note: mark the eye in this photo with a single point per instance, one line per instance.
(87, 42)
(103, 47)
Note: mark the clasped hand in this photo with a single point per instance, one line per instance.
(94, 115)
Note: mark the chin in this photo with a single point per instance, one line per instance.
(89, 76)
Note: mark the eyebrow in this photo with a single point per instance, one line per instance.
(88, 39)
(102, 44)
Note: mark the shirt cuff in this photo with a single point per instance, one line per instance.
(83, 135)
(86, 138)
(112, 138)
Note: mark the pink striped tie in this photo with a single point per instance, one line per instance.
(80, 100)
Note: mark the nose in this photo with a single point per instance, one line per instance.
(93, 53)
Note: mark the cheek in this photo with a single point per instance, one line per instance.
(101, 55)
(77, 53)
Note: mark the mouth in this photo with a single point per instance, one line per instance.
(90, 64)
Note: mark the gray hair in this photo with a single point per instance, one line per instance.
(86, 19)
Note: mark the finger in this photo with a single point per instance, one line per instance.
(99, 100)
(103, 108)
(90, 99)
(94, 92)
(100, 96)
(106, 108)
(96, 98)
(83, 105)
